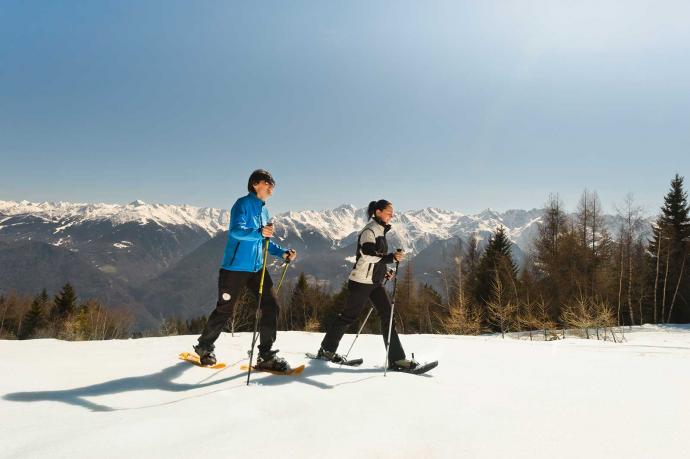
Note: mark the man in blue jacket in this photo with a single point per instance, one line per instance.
(242, 263)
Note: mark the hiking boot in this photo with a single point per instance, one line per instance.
(206, 356)
(270, 361)
(329, 356)
(404, 365)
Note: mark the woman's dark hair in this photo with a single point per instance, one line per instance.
(381, 204)
(257, 176)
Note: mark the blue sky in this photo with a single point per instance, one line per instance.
(457, 105)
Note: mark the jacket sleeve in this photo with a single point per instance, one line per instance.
(238, 224)
(388, 259)
(275, 249)
(367, 241)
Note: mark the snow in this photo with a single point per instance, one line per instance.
(60, 242)
(210, 220)
(488, 398)
(65, 226)
(413, 230)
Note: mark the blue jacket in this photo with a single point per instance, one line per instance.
(244, 250)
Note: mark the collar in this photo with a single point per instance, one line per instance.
(386, 228)
(255, 198)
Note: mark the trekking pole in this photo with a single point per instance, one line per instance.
(363, 324)
(258, 311)
(360, 331)
(390, 324)
(285, 268)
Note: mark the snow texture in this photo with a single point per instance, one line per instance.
(489, 398)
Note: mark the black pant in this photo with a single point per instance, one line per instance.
(357, 297)
(230, 284)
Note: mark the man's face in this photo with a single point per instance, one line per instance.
(264, 190)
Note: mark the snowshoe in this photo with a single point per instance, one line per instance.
(333, 357)
(412, 366)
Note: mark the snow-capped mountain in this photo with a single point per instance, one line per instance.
(129, 243)
(163, 259)
(412, 230)
(68, 214)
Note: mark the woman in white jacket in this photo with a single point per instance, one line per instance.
(366, 282)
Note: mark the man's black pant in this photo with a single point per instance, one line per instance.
(230, 284)
(357, 297)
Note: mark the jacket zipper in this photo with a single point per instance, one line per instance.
(368, 269)
(235, 253)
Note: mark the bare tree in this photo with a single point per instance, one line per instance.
(462, 319)
(526, 317)
(589, 223)
(663, 297)
(604, 317)
(544, 321)
(579, 315)
(501, 310)
(656, 276)
(631, 215)
(675, 293)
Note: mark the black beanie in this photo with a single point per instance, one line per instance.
(257, 176)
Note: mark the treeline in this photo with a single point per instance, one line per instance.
(62, 317)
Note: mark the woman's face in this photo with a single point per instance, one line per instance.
(385, 215)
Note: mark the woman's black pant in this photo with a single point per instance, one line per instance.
(230, 284)
(357, 298)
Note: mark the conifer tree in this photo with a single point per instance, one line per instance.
(668, 250)
(34, 319)
(65, 302)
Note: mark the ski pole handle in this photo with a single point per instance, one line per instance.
(397, 256)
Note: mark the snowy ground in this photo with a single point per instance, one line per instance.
(488, 398)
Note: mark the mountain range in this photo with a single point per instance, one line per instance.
(162, 260)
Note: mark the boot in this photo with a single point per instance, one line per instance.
(269, 360)
(206, 356)
(329, 356)
(406, 365)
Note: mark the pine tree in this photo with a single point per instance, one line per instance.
(669, 249)
(65, 302)
(470, 264)
(337, 303)
(300, 301)
(496, 260)
(44, 298)
(34, 319)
